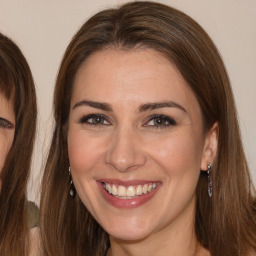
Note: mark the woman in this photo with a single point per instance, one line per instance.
(142, 157)
(18, 113)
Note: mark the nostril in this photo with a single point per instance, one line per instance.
(124, 153)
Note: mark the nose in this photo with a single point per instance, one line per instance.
(125, 152)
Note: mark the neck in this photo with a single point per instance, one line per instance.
(142, 249)
(177, 238)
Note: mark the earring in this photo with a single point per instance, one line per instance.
(72, 190)
(209, 172)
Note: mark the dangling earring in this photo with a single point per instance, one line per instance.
(72, 190)
(209, 172)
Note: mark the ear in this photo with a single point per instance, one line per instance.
(210, 146)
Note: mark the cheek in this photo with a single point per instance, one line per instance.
(84, 152)
(178, 150)
(179, 159)
(6, 139)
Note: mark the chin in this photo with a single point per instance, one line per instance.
(128, 237)
(129, 233)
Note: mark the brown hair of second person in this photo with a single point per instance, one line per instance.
(17, 86)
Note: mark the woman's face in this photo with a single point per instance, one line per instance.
(7, 128)
(136, 143)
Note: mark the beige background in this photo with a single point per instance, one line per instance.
(43, 28)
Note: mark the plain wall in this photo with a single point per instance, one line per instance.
(43, 28)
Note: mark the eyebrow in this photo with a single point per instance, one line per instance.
(94, 104)
(142, 108)
(156, 105)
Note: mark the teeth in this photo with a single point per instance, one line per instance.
(114, 190)
(145, 189)
(129, 192)
(108, 188)
(121, 191)
(139, 190)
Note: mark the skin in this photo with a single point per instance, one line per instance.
(7, 128)
(130, 145)
(35, 245)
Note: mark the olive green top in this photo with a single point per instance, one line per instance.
(33, 213)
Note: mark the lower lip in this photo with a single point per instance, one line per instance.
(127, 203)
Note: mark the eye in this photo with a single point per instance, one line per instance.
(94, 119)
(5, 124)
(160, 121)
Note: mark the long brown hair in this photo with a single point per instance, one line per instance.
(224, 224)
(17, 86)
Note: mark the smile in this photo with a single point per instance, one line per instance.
(129, 192)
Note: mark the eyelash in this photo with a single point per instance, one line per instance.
(85, 120)
(102, 119)
(5, 124)
(167, 122)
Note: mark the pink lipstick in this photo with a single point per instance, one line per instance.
(128, 194)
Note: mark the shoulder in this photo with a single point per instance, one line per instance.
(34, 242)
(33, 213)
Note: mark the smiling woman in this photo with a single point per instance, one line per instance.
(141, 161)
(152, 117)
(17, 131)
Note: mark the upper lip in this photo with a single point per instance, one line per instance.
(127, 182)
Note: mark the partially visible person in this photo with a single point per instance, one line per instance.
(18, 115)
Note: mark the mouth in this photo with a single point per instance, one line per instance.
(128, 194)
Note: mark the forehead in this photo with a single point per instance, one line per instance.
(7, 84)
(4, 101)
(138, 75)
(6, 108)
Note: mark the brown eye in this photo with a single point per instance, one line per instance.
(94, 120)
(97, 120)
(5, 124)
(160, 121)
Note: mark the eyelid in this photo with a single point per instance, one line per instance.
(5, 123)
(85, 118)
(171, 121)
